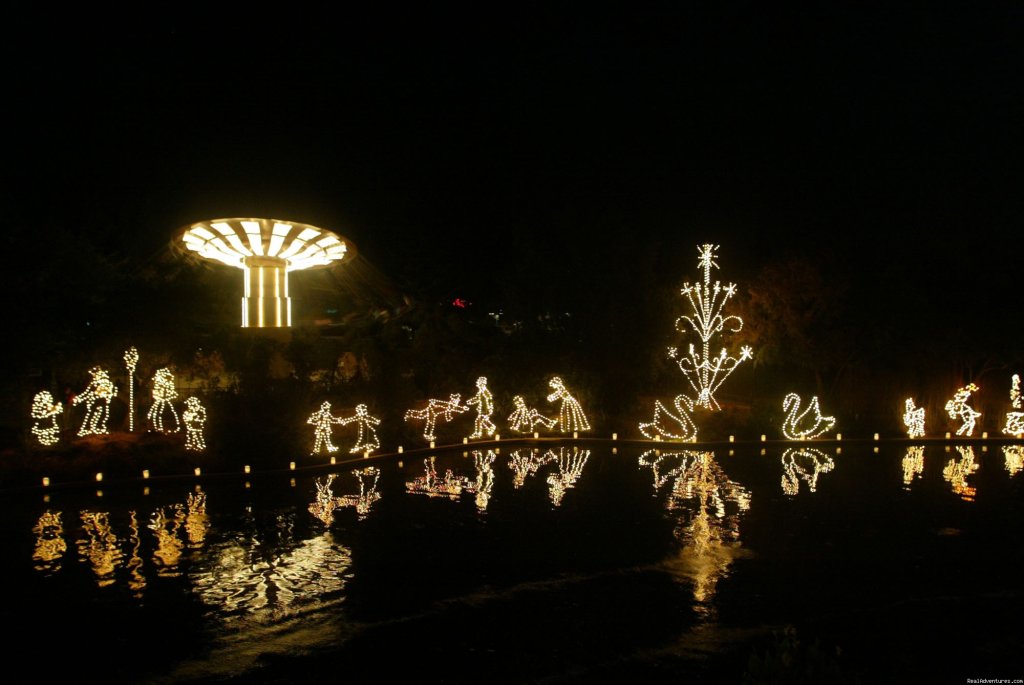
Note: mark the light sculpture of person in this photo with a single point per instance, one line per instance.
(570, 414)
(96, 398)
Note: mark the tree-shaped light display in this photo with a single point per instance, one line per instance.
(570, 414)
(957, 408)
(483, 400)
(705, 373)
(194, 418)
(524, 418)
(435, 408)
(131, 359)
(322, 419)
(913, 419)
(96, 397)
(367, 440)
(913, 465)
(45, 412)
(806, 464)
(1015, 419)
(163, 392)
(806, 424)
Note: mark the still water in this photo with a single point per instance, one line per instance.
(563, 564)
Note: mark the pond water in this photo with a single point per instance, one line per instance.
(566, 563)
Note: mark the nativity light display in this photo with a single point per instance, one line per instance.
(45, 412)
(806, 424)
(322, 419)
(367, 440)
(436, 408)
(267, 251)
(483, 400)
(163, 392)
(913, 419)
(131, 360)
(524, 418)
(570, 414)
(96, 398)
(1014, 419)
(194, 417)
(958, 409)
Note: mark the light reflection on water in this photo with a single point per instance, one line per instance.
(913, 465)
(452, 486)
(1014, 455)
(803, 464)
(957, 472)
(50, 545)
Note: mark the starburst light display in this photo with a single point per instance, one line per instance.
(1014, 419)
(570, 414)
(163, 392)
(913, 419)
(367, 440)
(483, 400)
(322, 419)
(96, 398)
(131, 359)
(436, 408)
(194, 418)
(524, 418)
(958, 409)
(45, 412)
(806, 424)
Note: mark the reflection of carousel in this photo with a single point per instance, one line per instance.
(708, 506)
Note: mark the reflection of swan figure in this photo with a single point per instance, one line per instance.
(806, 424)
(686, 429)
(816, 461)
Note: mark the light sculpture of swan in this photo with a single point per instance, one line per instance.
(806, 424)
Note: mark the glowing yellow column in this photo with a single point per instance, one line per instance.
(266, 303)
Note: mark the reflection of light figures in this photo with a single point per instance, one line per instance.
(197, 523)
(806, 424)
(806, 464)
(325, 502)
(45, 412)
(434, 409)
(100, 547)
(570, 413)
(96, 397)
(1015, 419)
(957, 472)
(136, 578)
(131, 359)
(525, 466)
(913, 419)
(957, 408)
(50, 545)
(523, 418)
(430, 485)
(367, 440)
(481, 487)
(1014, 455)
(570, 468)
(483, 400)
(913, 465)
(194, 418)
(684, 428)
(322, 419)
(165, 523)
(163, 392)
(367, 492)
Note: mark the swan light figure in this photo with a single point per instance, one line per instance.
(684, 427)
(806, 424)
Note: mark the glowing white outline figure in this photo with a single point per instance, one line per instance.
(570, 413)
(1014, 455)
(1014, 419)
(570, 468)
(656, 428)
(434, 409)
(523, 418)
(131, 359)
(957, 408)
(483, 400)
(814, 423)
(194, 418)
(367, 440)
(163, 392)
(793, 473)
(913, 465)
(43, 408)
(323, 420)
(956, 473)
(913, 419)
(97, 395)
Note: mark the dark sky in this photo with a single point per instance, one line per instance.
(481, 153)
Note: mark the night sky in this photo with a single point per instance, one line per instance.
(510, 155)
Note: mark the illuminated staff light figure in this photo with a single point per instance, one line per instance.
(806, 424)
(957, 408)
(45, 412)
(434, 409)
(131, 359)
(96, 397)
(367, 440)
(194, 417)
(322, 419)
(570, 414)
(484, 403)
(163, 392)
(913, 419)
(523, 418)
(1015, 419)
